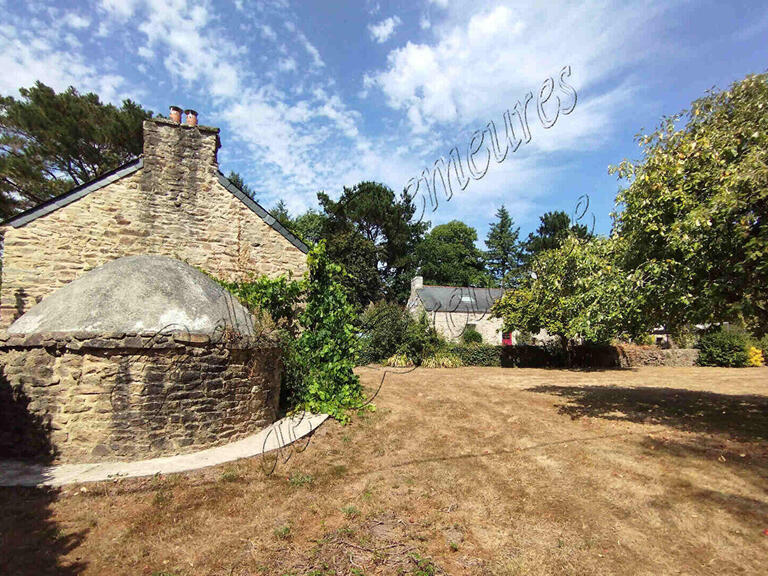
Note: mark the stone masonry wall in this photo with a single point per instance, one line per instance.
(451, 325)
(173, 206)
(86, 398)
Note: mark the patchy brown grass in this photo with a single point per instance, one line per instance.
(464, 471)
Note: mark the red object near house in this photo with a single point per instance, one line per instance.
(506, 339)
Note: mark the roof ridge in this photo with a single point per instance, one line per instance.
(470, 287)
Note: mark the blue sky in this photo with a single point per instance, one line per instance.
(318, 95)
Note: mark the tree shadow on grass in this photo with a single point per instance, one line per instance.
(31, 541)
(743, 417)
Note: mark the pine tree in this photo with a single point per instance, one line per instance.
(51, 142)
(238, 181)
(503, 254)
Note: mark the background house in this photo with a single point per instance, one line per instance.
(451, 310)
(172, 201)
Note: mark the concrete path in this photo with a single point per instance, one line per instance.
(280, 434)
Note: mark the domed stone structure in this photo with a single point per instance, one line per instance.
(138, 294)
(141, 357)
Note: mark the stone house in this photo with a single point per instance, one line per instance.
(172, 201)
(451, 310)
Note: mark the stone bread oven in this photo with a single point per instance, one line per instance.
(142, 357)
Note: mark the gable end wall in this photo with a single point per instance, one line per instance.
(152, 211)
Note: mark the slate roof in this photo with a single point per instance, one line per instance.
(458, 299)
(129, 168)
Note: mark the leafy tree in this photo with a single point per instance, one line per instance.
(238, 181)
(309, 226)
(503, 254)
(694, 217)
(448, 256)
(575, 291)
(51, 142)
(553, 229)
(384, 328)
(373, 234)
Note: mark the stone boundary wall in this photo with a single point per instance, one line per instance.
(635, 356)
(84, 398)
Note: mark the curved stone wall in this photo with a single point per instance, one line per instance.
(86, 397)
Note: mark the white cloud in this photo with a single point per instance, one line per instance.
(76, 21)
(287, 64)
(33, 54)
(382, 31)
(145, 53)
(268, 32)
(480, 65)
(122, 8)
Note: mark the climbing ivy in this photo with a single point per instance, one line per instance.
(320, 346)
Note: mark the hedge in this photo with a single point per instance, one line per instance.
(477, 354)
(723, 348)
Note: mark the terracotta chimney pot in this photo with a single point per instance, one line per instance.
(175, 114)
(191, 117)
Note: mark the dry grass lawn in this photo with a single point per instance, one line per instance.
(467, 471)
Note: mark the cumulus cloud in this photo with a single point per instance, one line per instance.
(382, 31)
(477, 66)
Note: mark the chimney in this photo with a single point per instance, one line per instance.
(180, 160)
(175, 115)
(191, 117)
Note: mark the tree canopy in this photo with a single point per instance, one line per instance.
(554, 228)
(51, 142)
(448, 256)
(574, 291)
(373, 234)
(694, 218)
(238, 181)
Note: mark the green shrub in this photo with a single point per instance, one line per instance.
(278, 296)
(723, 348)
(398, 361)
(477, 354)
(442, 359)
(762, 344)
(471, 336)
(384, 328)
(421, 340)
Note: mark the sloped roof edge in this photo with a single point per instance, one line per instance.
(72, 195)
(262, 213)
